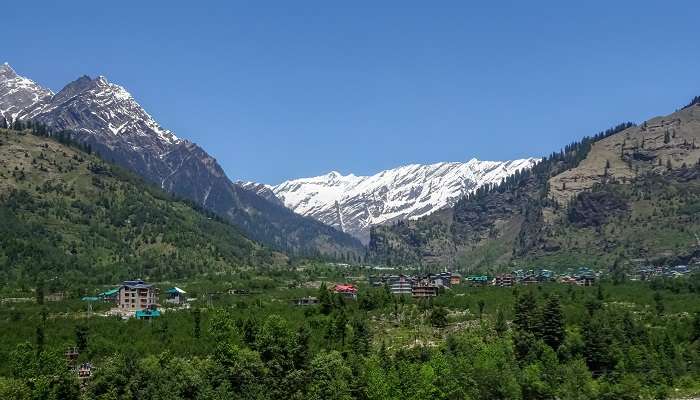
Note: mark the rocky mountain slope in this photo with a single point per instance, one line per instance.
(354, 204)
(71, 215)
(622, 197)
(106, 117)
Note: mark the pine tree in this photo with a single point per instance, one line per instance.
(81, 337)
(39, 292)
(325, 300)
(553, 323)
(360, 337)
(658, 303)
(525, 312)
(39, 340)
(481, 304)
(438, 317)
(695, 332)
(501, 327)
(197, 316)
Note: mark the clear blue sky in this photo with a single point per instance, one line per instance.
(278, 90)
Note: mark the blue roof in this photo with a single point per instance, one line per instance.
(147, 314)
(137, 284)
(109, 293)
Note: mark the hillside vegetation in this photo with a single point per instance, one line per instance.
(69, 217)
(621, 197)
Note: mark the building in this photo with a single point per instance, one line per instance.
(477, 280)
(455, 279)
(84, 371)
(176, 296)
(305, 301)
(71, 356)
(57, 296)
(147, 314)
(137, 295)
(400, 285)
(504, 280)
(348, 291)
(443, 279)
(424, 290)
(111, 296)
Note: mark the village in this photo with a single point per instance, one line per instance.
(140, 300)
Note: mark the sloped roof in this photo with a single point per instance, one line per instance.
(176, 289)
(147, 313)
(109, 293)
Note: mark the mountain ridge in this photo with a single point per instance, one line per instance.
(356, 203)
(106, 117)
(620, 197)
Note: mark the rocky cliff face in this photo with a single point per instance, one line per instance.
(625, 194)
(108, 118)
(355, 204)
(657, 145)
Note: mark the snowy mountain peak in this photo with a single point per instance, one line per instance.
(19, 96)
(6, 72)
(356, 203)
(102, 108)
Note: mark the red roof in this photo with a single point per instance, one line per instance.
(340, 288)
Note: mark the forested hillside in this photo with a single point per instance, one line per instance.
(70, 218)
(620, 197)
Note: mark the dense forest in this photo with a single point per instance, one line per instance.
(69, 217)
(635, 340)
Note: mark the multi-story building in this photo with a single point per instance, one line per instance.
(504, 280)
(400, 285)
(137, 295)
(424, 290)
(348, 291)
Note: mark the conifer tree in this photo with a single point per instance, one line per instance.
(553, 323)
(325, 300)
(501, 327)
(481, 304)
(197, 316)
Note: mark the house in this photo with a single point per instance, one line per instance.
(400, 285)
(176, 296)
(585, 280)
(147, 314)
(455, 279)
(348, 291)
(111, 296)
(442, 279)
(305, 301)
(84, 371)
(137, 295)
(239, 292)
(57, 296)
(477, 280)
(71, 355)
(567, 280)
(504, 280)
(424, 290)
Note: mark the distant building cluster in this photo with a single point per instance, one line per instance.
(417, 286)
(137, 298)
(428, 285)
(582, 276)
(648, 272)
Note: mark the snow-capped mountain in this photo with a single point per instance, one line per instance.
(19, 95)
(105, 116)
(354, 204)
